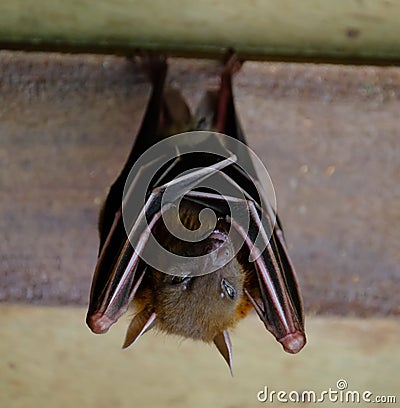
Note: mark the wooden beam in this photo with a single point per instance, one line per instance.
(345, 31)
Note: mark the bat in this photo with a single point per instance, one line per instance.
(244, 246)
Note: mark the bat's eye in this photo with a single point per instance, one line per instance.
(227, 289)
(180, 279)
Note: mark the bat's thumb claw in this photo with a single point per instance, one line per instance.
(141, 323)
(224, 346)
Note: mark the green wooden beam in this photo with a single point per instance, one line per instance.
(346, 31)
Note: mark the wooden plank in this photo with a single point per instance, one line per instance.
(328, 135)
(351, 31)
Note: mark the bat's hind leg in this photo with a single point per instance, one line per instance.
(226, 119)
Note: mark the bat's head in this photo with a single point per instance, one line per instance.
(200, 307)
(197, 307)
(190, 301)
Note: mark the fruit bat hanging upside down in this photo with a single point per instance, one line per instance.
(193, 303)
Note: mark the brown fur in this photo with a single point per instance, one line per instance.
(196, 309)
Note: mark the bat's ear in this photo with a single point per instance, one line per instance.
(140, 324)
(224, 346)
(205, 112)
(177, 116)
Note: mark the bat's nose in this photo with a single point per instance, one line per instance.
(293, 342)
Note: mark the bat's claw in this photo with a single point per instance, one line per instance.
(293, 342)
(224, 346)
(232, 64)
(153, 63)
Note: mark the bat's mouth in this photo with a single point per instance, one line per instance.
(293, 342)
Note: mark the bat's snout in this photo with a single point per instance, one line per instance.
(293, 342)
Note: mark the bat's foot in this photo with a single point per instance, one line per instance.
(232, 64)
(293, 342)
(225, 114)
(154, 64)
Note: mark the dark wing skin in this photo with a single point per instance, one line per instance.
(288, 324)
(111, 229)
(147, 136)
(119, 271)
